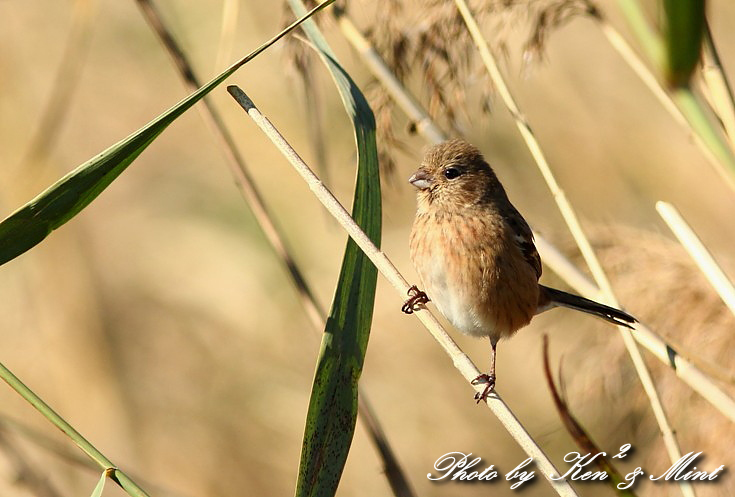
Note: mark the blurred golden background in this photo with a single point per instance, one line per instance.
(159, 323)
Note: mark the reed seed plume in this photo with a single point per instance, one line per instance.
(675, 298)
(426, 42)
(552, 16)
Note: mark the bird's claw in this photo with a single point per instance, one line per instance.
(489, 381)
(416, 299)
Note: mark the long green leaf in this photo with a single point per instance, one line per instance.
(33, 222)
(97, 492)
(684, 34)
(330, 422)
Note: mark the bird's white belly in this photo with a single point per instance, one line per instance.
(454, 303)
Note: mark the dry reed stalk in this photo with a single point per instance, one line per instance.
(696, 249)
(668, 354)
(460, 360)
(27, 473)
(298, 53)
(717, 89)
(570, 217)
(228, 30)
(420, 119)
(65, 83)
(236, 163)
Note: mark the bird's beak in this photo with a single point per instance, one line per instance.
(420, 179)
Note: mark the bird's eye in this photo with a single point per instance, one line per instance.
(451, 172)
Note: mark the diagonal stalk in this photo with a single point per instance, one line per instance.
(717, 88)
(61, 451)
(26, 472)
(419, 117)
(105, 464)
(228, 31)
(696, 249)
(65, 84)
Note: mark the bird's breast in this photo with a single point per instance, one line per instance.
(469, 272)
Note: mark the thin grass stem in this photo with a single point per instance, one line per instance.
(64, 85)
(652, 45)
(69, 456)
(375, 63)
(702, 257)
(100, 459)
(227, 33)
(27, 473)
(236, 163)
(718, 90)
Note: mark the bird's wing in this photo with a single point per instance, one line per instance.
(523, 236)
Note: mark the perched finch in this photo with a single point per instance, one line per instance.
(475, 255)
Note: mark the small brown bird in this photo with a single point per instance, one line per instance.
(475, 255)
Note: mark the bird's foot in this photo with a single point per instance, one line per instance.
(416, 300)
(489, 381)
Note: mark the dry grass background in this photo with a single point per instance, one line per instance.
(160, 325)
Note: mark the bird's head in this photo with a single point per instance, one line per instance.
(455, 175)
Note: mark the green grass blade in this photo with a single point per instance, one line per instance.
(684, 34)
(97, 492)
(98, 457)
(332, 413)
(34, 221)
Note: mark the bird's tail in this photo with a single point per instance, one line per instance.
(552, 297)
